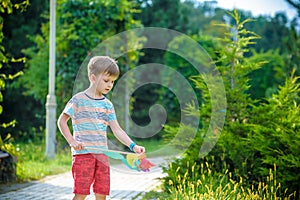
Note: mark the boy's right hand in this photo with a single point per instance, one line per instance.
(77, 145)
(139, 149)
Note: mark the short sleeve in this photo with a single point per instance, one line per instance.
(111, 112)
(71, 107)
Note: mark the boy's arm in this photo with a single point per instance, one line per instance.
(62, 124)
(123, 137)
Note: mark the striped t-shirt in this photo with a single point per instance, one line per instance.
(90, 118)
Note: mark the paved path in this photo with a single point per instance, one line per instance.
(125, 184)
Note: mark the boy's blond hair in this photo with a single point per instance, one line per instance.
(103, 64)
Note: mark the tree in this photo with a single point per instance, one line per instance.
(272, 30)
(209, 44)
(81, 26)
(234, 68)
(165, 14)
(274, 134)
(275, 67)
(7, 7)
(6, 145)
(295, 4)
(257, 134)
(18, 28)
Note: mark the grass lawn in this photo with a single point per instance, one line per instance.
(33, 164)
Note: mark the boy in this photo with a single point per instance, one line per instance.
(91, 112)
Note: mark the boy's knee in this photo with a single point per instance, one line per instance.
(79, 197)
(100, 197)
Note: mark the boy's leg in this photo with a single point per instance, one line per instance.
(100, 197)
(101, 186)
(83, 169)
(79, 197)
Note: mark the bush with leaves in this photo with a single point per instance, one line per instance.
(7, 7)
(256, 135)
(275, 134)
(7, 165)
(81, 26)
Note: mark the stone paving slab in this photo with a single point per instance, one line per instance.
(124, 185)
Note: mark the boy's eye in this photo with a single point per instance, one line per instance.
(106, 81)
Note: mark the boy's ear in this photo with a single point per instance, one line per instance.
(93, 78)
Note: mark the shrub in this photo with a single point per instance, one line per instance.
(202, 182)
(256, 134)
(8, 164)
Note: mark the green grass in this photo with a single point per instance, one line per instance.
(32, 163)
(201, 183)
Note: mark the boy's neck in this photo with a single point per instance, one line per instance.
(93, 94)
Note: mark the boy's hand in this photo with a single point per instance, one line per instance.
(77, 145)
(139, 149)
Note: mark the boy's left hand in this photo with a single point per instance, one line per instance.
(139, 149)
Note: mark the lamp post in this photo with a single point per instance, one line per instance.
(51, 99)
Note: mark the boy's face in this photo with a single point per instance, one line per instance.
(103, 83)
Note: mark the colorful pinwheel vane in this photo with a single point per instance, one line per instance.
(132, 160)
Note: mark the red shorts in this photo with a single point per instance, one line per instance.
(88, 169)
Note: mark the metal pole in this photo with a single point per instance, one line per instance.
(51, 99)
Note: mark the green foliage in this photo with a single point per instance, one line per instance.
(81, 26)
(274, 134)
(292, 50)
(35, 73)
(75, 32)
(234, 68)
(244, 155)
(165, 14)
(256, 134)
(8, 146)
(184, 138)
(8, 164)
(186, 69)
(261, 86)
(279, 35)
(274, 31)
(34, 165)
(7, 6)
(193, 182)
(16, 28)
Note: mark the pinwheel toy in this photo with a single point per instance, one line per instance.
(132, 160)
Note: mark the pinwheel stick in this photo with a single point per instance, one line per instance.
(132, 160)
